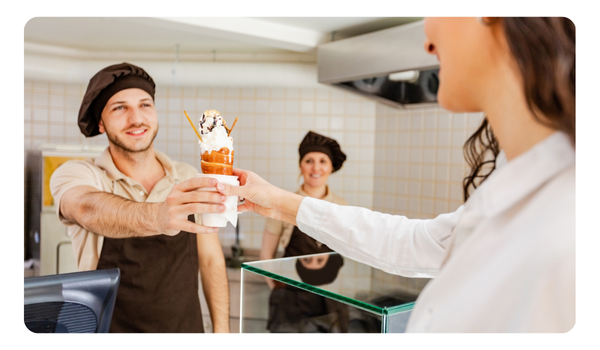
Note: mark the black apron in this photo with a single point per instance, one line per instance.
(158, 292)
(293, 310)
(303, 244)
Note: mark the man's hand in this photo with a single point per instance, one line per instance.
(185, 199)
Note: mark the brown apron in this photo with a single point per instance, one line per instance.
(293, 310)
(158, 292)
(303, 244)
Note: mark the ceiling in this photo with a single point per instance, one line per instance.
(260, 35)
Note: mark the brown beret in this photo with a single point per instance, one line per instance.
(314, 142)
(325, 275)
(103, 86)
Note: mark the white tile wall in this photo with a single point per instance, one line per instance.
(419, 160)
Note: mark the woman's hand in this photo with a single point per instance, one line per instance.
(262, 198)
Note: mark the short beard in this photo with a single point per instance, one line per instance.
(124, 149)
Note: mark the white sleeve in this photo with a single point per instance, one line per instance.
(393, 243)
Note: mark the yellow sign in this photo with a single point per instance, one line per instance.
(51, 164)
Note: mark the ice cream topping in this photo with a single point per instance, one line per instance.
(210, 119)
(214, 133)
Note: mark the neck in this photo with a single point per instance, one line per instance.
(142, 167)
(318, 192)
(514, 125)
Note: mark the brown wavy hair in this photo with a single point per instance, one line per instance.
(544, 51)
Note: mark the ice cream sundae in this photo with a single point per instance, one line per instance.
(216, 146)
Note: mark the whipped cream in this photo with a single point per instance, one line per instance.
(215, 140)
(214, 134)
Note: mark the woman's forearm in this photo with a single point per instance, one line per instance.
(392, 243)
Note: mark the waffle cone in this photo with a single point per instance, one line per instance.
(218, 162)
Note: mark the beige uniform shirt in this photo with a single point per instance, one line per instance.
(101, 173)
(284, 230)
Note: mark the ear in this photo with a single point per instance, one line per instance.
(101, 126)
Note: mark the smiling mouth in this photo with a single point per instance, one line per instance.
(137, 132)
(315, 176)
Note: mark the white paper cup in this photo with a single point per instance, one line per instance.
(230, 214)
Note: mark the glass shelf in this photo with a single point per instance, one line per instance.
(357, 293)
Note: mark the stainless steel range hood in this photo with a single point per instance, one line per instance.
(389, 66)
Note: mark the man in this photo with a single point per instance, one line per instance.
(132, 208)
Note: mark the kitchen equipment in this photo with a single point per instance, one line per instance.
(389, 66)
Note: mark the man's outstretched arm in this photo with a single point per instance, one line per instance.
(113, 216)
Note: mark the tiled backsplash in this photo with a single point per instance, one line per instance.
(405, 161)
(419, 163)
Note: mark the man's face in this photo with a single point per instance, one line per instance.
(129, 120)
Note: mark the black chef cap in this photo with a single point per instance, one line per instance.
(325, 275)
(103, 86)
(314, 142)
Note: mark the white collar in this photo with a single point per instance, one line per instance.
(522, 175)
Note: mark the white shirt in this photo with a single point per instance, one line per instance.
(504, 261)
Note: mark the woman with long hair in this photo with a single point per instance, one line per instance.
(505, 261)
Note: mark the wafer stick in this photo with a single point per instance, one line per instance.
(235, 121)
(192, 124)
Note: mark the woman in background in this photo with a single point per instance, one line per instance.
(505, 261)
(291, 309)
(320, 156)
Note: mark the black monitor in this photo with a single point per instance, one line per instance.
(79, 302)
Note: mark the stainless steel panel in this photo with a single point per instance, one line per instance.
(380, 53)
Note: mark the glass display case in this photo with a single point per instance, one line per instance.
(324, 293)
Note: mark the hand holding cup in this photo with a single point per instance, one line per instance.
(185, 199)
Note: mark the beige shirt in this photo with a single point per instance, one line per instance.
(284, 230)
(101, 173)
